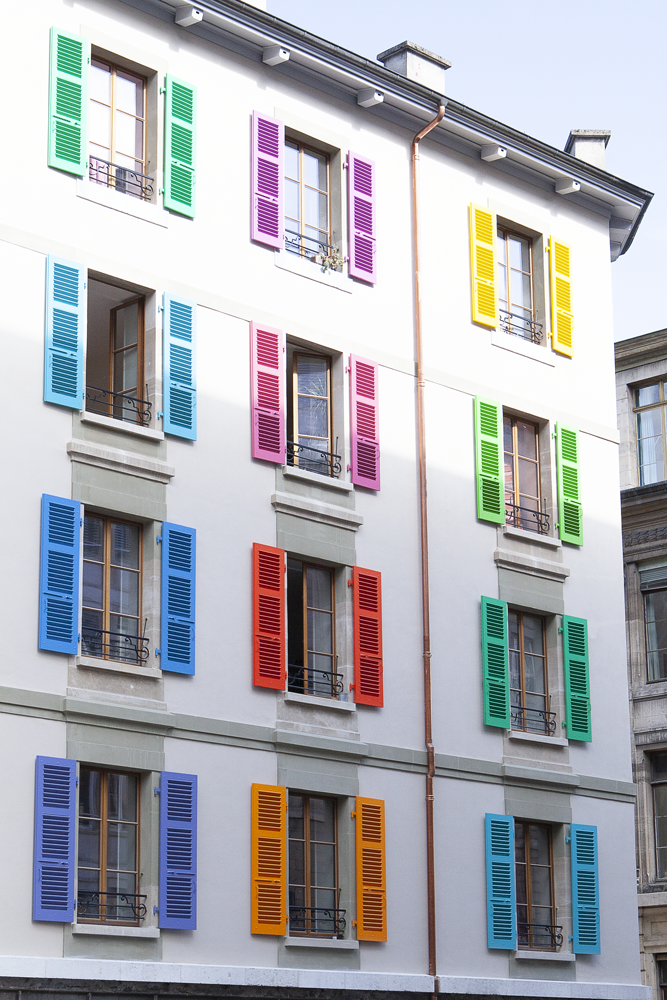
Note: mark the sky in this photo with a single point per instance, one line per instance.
(544, 69)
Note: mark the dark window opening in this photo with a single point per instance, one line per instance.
(523, 503)
(309, 415)
(311, 639)
(655, 611)
(529, 699)
(535, 911)
(659, 774)
(313, 867)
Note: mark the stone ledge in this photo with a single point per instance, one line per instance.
(307, 699)
(652, 899)
(120, 461)
(548, 570)
(102, 930)
(115, 667)
(120, 426)
(546, 956)
(304, 942)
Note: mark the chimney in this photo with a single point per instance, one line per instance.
(418, 64)
(588, 144)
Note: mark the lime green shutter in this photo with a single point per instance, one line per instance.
(489, 460)
(495, 663)
(570, 518)
(577, 686)
(180, 118)
(68, 97)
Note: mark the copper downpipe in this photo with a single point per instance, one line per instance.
(423, 518)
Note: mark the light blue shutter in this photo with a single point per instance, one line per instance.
(63, 333)
(59, 575)
(178, 851)
(55, 811)
(500, 894)
(179, 374)
(178, 598)
(585, 901)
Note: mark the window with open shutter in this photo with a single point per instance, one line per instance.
(267, 391)
(577, 684)
(180, 110)
(585, 892)
(269, 860)
(63, 333)
(500, 882)
(177, 605)
(495, 663)
(364, 422)
(267, 152)
(570, 515)
(55, 812)
(178, 851)
(562, 321)
(179, 370)
(68, 102)
(367, 618)
(371, 871)
(59, 575)
(361, 206)
(489, 460)
(483, 266)
(268, 578)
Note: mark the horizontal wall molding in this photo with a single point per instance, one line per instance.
(546, 568)
(120, 461)
(316, 510)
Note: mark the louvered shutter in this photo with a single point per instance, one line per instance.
(495, 663)
(268, 616)
(177, 606)
(585, 892)
(180, 127)
(268, 891)
(364, 422)
(577, 684)
(570, 515)
(361, 205)
(179, 367)
(267, 151)
(483, 266)
(267, 392)
(367, 621)
(54, 859)
(562, 321)
(63, 333)
(500, 882)
(371, 869)
(178, 851)
(489, 460)
(68, 97)
(59, 575)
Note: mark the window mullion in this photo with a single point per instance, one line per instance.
(306, 862)
(103, 842)
(106, 597)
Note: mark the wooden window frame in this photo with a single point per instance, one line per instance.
(506, 234)
(106, 595)
(303, 148)
(115, 69)
(660, 405)
(304, 590)
(529, 904)
(308, 931)
(515, 464)
(115, 410)
(295, 400)
(522, 667)
(649, 679)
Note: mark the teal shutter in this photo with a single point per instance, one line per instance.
(68, 96)
(585, 892)
(495, 663)
(63, 333)
(489, 460)
(570, 519)
(59, 575)
(180, 114)
(577, 683)
(179, 375)
(54, 860)
(177, 606)
(500, 891)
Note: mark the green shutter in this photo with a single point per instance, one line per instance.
(180, 115)
(68, 95)
(489, 460)
(577, 686)
(570, 520)
(495, 663)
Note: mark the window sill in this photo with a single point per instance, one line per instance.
(290, 472)
(122, 426)
(545, 956)
(303, 942)
(533, 537)
(517, 345)
(652, 898)
(553, 741)
(307, 699)
(307, 269)
(124, 203)
(101, 930)
(93, 663)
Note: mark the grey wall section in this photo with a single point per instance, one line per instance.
(315, 540)
(538, 805)
(115, 747)
(533, 592)
(313, 774)
(118, 493)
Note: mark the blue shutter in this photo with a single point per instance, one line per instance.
(63, 334)
(179, 374)
(585, 901)
(59, 575)
(179, 546)
(500, 894)
(55, 811)
(178, 851)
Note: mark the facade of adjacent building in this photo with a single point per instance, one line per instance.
(218, 779)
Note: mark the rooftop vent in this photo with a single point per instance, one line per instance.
(589, 144)
(418, 64)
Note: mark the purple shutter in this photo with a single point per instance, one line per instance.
(364, 423)
(55, 811)
(268, 141)
(361, 202)
(178, 851)
(267, 390)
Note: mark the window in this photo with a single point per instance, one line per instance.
(309, 416)
(659, 781)
(662, 977)
(655, 611)
(117, 130)
(313, 867)
(651, 446)
(311, 639)
(111, 614)
(522, 475)
(108, 863)
(528, 675)
(535, 913)
(307, 204)
(515, 285)
(115, 354)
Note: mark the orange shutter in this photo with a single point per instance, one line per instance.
(269, 860)
(268, 616)
(367, 614)
(371, 885)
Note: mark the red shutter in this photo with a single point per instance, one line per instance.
(361, 203)
(268, 142)
(267, 392)
(268, 616)
(367, 604)
(364, 423)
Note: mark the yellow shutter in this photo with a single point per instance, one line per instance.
(371, 885)
(269, 860)
(561, 298)
(483, 266)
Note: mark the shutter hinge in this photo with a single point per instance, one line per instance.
(81, 522)
(156, 909)
(160, 414)
(349, 468)
(348, 369)
(560, 629)
(570, 938)
(77, 782)
(158, 539)
(158, 652)
(351, 687)
(163, 90)
(568, 840)
(78, 638)
(349, 583)
(346, 164)
(563, 724)
(159, 309)
(160, 190)
(353, 814)
(75, 904)
(354, 923)
(156, 790)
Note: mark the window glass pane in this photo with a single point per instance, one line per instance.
(99, 125)
(501, 244)
(320, 631)
(297, 869)
(122, 796)
(316, 210)
(322, 820)
(508, 444)
(93, 585)
(129, 93)
(655, 604)
(528, 477)
(519, 253)
(294, 614)
(534, 668)
(526, 435)
(125, 367)
(125, 545)
(93, 538)
(659, 764)
(522, 299)
(292, 161)
(520, 842)
(322, 866)
(315, 169)
(292, 210)
(533, 634)
(319, 587)
(649, 423)
(312, 375)
(647, 394)
(295, 815)
(89, 842)
(89, 792)
(540, 885)
(99, 81)
(124, 596)
(660, 809)
(539, 844)
(121, 846)
(314, 420)
(125, 137)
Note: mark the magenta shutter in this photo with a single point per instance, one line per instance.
(268, 140)
(267, 390)
(364, 423)
(361, 201)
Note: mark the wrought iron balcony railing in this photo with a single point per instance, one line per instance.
(118, 405)
(309, 680)
(313, 459)
(547, 936)
(526, 518)
(533, 720)
(308, 246)
(316, 920)
(122, 906)
(114, 645)
(123, 179)
(521, 326)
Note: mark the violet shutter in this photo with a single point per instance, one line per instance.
(59, 575)
(364, 423)
(178, 851)
(267, 214)
(55, 813)
(267, 391)
(361, 204)
(177, 606)
(179, 367)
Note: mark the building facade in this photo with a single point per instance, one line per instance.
(240, 760)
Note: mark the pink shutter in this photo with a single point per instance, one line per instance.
(267, 391)
(268, 141)
(361, 201)
(364, 423)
